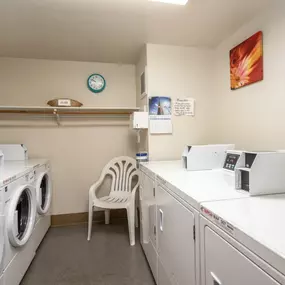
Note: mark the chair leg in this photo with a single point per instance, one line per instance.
(137, 217)
(90, 220)
(131, 223)
(107, 217)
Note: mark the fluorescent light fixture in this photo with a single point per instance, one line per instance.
(175, 2)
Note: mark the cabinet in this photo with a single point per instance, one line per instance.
(167, 234)
(175, 239)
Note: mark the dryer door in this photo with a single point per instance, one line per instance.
(21, 215)
(44, 192)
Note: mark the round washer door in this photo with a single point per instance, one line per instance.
(2, 238)
(43, 192)
(21, 216)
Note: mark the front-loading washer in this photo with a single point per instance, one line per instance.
(43, 193)
(2, 230)
(43, 187)
(20, 214)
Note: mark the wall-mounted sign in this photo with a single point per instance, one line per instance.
(184, 107)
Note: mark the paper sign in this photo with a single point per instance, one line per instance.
(184, 107)
(64, 102)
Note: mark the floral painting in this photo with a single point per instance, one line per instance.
(247, 62)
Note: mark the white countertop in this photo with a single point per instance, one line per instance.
(258, 223)
(196, 187)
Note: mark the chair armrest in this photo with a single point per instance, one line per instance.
(94, 188)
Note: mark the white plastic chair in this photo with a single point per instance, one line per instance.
(122, 196)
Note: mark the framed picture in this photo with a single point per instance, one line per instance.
(144, 83)
(246, 62)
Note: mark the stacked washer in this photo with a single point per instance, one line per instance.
(18, 196)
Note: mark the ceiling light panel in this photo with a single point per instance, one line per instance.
(175, 2)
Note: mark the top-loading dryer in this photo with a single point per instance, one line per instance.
(170, 199)
(243, 241)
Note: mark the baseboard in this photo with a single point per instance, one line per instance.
(82, 218)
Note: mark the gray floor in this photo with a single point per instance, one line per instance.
(65, 257)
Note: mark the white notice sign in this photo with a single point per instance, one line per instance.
(184, 107)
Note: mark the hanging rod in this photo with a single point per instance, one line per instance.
(82, 112)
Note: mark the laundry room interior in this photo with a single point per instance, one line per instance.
(141, 142)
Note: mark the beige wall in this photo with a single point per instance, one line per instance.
(77, 151)
(252, 117)
(180, 72)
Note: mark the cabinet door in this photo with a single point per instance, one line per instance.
(225, 265)
(176, 244)
(163, 278)
(148, 222)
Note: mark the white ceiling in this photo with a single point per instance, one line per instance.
(115, 30)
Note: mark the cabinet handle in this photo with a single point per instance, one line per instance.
(216, 280)
(161, 220)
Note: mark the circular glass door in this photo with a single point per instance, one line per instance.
(43, 193)
(21, 216)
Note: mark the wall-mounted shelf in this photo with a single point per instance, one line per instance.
(57, 112)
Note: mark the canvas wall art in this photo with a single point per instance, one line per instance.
(246, 62)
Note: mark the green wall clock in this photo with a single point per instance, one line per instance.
(96, 83)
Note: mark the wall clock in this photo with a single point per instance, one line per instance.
(96, 83)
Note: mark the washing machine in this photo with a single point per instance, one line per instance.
(17, 186)
(43, 187)
(43, 193)
(243, 241)
(2, 229)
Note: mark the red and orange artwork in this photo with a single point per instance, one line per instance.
(247, 62)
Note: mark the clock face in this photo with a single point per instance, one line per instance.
(96, 83)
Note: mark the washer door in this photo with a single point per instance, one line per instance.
(44, 193)
(2, 238)
(21, 215)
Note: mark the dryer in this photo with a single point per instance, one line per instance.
(20, 213)
(243, 241)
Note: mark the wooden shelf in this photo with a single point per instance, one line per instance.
(57, 112)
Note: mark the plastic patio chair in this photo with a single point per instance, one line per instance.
(122, 193)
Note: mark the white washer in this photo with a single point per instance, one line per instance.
(20, 213)
(243, 241)
(43, 194)
(2, 230)
(43, 185)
